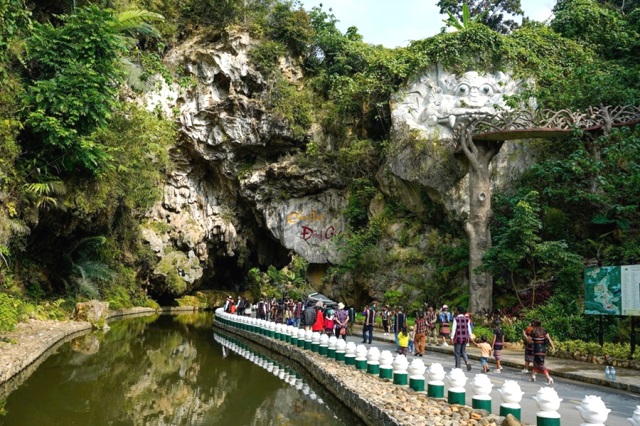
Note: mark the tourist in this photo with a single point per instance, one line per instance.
(460, 335)
(369, 321)
(528, 347)
(233, 308)
(309, 315)
(431, 319)
(248, 308)
(420, 335)
(540, 338)
(485, 353)
(342, 321)
(297, 313)
(329, 322)
(227, 305)
(399, 323)
(318, 325)
(385, 320)
(261, 310)
(403, 340)
(412, 337)
(497, 344)
(445, 318)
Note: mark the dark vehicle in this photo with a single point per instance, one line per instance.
(328, 303)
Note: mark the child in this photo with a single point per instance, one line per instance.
(329, 323)
(412, 336)
(485, 352)
(403, 341)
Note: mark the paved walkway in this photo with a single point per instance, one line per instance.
(626, 379)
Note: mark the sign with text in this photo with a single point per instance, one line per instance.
(612, 290)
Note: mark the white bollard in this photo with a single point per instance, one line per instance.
(361, 357)
(400, 374)
(635, 418)
(435, 387)
(386, 365)
(331, 348)
(548, 404)
(341, 349)
(373, 361)
(416, 375)
(457, 380)
(593, 411)
(511, 396)
(324, 345)
(481, 388)
(350, 354)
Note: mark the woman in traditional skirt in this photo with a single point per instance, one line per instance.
(497, 344)
(445, 319)
(528, 347)
(540, 338)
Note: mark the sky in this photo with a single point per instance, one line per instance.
(394, 23)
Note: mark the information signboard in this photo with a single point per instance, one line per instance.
(612, 290)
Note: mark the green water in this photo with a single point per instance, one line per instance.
(160, 370)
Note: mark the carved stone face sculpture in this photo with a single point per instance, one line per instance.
(437, 100)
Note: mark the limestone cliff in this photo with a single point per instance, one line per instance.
(239, 196)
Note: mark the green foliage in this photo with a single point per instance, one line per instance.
(9, 311)
(619, 351)
(357, 211)
(75, 75)
(15, 19)
(603, 28)
(492, 13)
(480, 331)
(292, 105)
(290, 27)
(519, 250)
(265, 56)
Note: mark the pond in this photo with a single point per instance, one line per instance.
(167, 370)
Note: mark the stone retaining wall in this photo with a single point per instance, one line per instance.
(374, 400)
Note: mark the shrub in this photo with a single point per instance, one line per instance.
(9, 312)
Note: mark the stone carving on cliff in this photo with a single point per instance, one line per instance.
(434, 102)
(425, 115)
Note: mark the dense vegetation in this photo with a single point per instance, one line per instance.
(77, 172)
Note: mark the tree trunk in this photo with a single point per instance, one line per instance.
(479, 155)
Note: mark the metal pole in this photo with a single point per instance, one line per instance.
(633, 336)
(601, 333)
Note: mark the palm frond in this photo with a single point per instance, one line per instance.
(137, 22)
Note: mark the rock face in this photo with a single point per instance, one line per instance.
(234, 199)
(91, 311)
(242, 194)
(424, 115)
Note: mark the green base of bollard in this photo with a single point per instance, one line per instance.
(307, 345)
(361, 364)
(340, 356)
(456, 398)
(516, 412)
(294, 341)
(323, 350)
(287, 338)
(386, 373)
(301, 343)
(315, 347)
(373, 368)
(417, 384)
(272, 334)
(350, 360)
(435, 391)
(277, 336)
(400, 379)
(481, 404)
(331, 353)
(547, 419)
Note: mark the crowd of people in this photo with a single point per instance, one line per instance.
(429, 326)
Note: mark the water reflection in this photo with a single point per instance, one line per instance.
(161, 370)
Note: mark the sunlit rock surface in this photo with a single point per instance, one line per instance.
(424, 114)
